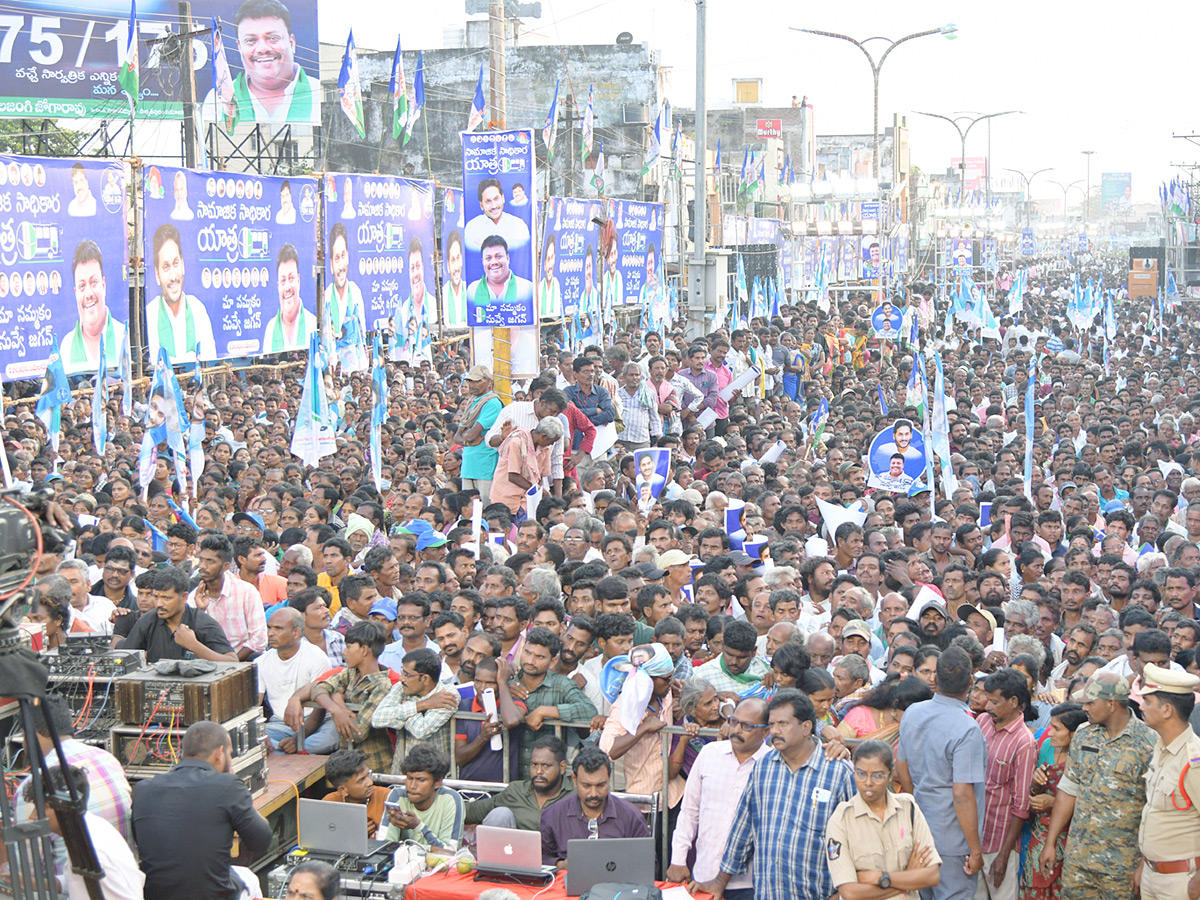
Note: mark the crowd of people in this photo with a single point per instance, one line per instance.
(868, 692)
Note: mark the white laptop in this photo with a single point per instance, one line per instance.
(509, 851)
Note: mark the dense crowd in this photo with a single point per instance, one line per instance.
(869, 691)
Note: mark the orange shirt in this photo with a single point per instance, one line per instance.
(272, 589)
(374, 807)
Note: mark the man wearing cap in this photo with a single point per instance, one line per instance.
(482, 410)
(678, 568)
(1169, 835)
(1101, 794)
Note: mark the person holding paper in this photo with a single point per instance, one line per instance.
(718, 348)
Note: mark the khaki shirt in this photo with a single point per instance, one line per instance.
(857, 840)
(1168, 833)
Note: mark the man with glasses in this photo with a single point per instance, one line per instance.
(716, 781)
(115, 577)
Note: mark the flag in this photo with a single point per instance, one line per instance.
(419, 89)
(742, 295)
(1029, 419)
(398, 88)
(126, 367)
(350, 88)
(223, 96)
(742, 181)
(550, 129)
(475, 119)
(166, 418)
(196, 454)
(313, 437)
(378, 414)
(677, 148)
(654, 151)
(158, 540)
(598, 172)
(99, 398)
(914, 394)
(129, 76)
(883, 407)
(762, 172)
(147, 459)
(1110, 320)
(181, 514)
(816, 425)
(717, 165)
(589, 127)
(56, 391)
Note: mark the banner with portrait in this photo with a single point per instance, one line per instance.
(569, 264)
(63, 264)
(896, 456)
(229, 263)
(653, 467)
(498, 235)
(379, 268)
(454, 287)
(630, 270)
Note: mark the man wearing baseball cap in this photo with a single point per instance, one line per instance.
(1169, 836)
(479, 460)
(1101, 794)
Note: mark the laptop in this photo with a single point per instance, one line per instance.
(509, 851)
(327, 826)
(593, 862)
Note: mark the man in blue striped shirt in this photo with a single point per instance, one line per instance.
(782, 817)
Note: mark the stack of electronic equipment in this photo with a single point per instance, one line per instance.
(83, 672)
(155, 709)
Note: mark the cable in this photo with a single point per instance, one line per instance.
(87, 705)
(161, 697)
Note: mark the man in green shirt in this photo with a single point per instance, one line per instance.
(478, 459)
(520, 804)
(424, 810)
(547, 694)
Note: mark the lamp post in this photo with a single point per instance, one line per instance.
(1087, 205)
(1065, 188)
(1028, 179)
(948, 31)
(971, 121)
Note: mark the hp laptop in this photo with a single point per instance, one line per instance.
(593, 862)
(509, 851)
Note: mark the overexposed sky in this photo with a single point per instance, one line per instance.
(1114, 79)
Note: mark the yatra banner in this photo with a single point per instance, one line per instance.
(229, 263)
(63, 264)
(454, 287)
(635, 253)
(497, 237)
(61, 60)
(568, 271)
(379, 269)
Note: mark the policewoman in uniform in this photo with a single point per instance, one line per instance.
(878, 839)
(1169, 836)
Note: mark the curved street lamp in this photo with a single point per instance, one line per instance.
(971, 121)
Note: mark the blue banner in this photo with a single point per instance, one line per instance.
(454, 287)
(639, 233)
(569, 273)
(230, 263)
(379, 269)
(63, 264)
(497, 237)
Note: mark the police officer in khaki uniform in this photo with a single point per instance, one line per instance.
(1169, 836)
(877, 837)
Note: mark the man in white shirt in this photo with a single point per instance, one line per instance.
(95, 610)
(289, 665)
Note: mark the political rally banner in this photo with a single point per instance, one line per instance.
(63, 264)
(230, 263)
(497, 238)
(379, 262)
(569, 273)
(61, 60)
(454, 288)
(630, 261)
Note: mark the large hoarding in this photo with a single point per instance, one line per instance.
(63, 263)
(379, 260)
(636, 252)
(60, 60)
(229, 263)
(1116, 191)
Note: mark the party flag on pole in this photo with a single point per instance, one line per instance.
(223, 93)
(398, 88)
(350, 88)
(550, 129)
(129, 76)
(589, 127)
(99, 401)
(475, 119)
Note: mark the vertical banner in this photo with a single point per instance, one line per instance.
(635, 254)
(454, 287)
(573, 242)
(379, 269)
(497, 237)
(63, 264)
(230, 263)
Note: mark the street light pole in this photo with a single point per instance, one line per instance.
(1028, 179)
(1087, 214)
(1065, 188)
(948, 31)
(971, 121)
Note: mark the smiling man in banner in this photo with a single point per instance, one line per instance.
(499, 286)
(343, 297)
(174, 319)
(291, 329)
(272, 87)
(81, 348)
(494, 220)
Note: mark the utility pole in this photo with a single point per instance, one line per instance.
(1087, 208)
(496, 79)
(697, 279)
(188, 74)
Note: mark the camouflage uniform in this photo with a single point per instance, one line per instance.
(1106, 778)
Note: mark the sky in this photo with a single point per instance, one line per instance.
(1085, 77)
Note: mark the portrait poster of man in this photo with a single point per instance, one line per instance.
(454, 288)
(271, 48)
(887, 320)
(902, 438)
(496, 238)
(653, 468)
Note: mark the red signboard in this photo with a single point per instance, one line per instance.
(769, 128)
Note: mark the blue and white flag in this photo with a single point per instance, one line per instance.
(350, 87)
(883, 407)
(816, 425)
(654, 150)
(550, 129)
(314, 435)
(475, 119)
(378, 414)
(1029, 422)
(99, 404)
(56, 393)
(589, 127)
